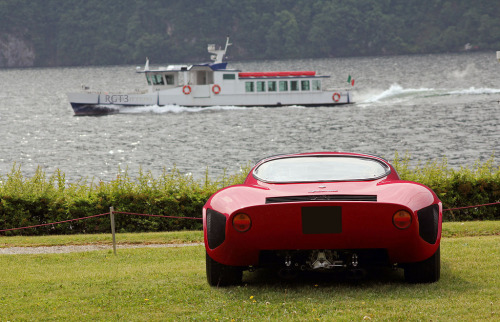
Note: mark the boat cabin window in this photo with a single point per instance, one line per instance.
(294, 85)
(228, 76)
(271, 86)
(304, 85)
(170, 79)
(249, 87)
(283, 86)
(261, 86)
(316, 85)
(155, 79)
(159, 79)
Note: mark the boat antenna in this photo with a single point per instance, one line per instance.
(227, 44)
(218, 54)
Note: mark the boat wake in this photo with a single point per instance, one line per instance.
(396, 91)
(396, 94)
(475, 91)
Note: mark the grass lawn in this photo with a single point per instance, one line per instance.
(450, 229)
(170, 284)
(173, 237)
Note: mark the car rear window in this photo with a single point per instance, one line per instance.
(320, 168)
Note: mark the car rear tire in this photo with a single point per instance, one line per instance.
(426, 271)
(222, 275)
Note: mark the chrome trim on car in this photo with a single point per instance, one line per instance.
(371, 198)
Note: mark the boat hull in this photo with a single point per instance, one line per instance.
(94, 109)
(109, 103)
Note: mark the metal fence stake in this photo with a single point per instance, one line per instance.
(112, 217)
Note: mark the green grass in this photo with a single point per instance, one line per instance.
(450, 229)
(471, 228)
(169, 284)
(174, 237)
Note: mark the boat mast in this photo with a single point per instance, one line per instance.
(218, 54)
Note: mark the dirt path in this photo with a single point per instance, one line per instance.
(81, 248)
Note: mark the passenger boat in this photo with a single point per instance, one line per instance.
(213, 84)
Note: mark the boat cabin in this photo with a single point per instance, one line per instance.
(233, 81)
(173, 76)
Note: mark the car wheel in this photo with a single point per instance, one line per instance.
(222, 275)
(426, 271)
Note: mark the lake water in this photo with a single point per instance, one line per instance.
(430, 106)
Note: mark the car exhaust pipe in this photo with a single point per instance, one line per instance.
(354, 260)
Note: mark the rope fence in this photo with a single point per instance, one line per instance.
(476, 206)
(111, 214)
(161, 216)
(175, 217)
(99, 215)
(55, 223)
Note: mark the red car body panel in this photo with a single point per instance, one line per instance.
(364, 224)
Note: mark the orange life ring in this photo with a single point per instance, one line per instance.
(216, 89)
(336, 97)
(186, 89)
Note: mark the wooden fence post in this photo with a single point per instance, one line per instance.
(112, 216)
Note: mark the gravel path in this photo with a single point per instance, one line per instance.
(81, 248)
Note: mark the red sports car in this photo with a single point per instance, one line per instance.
(322, 211)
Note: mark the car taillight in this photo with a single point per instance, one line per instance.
(242, 222)
(401, 219)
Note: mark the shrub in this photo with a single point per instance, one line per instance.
(40, 199)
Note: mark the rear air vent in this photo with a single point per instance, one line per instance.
(216, 228)
(322, 198)
(428, 223)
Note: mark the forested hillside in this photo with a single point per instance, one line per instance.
(101, 32)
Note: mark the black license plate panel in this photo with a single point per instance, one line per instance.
(322, 220)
